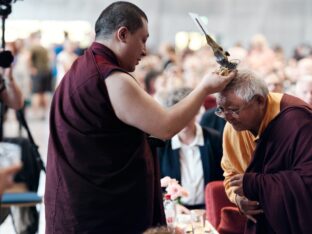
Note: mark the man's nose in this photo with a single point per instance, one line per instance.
(228, 116)
(144, 51)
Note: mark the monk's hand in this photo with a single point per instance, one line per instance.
(215, 82)
(248, 208)
(236, 181)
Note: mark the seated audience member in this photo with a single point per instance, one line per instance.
(149, 81)
(260, 56)
(271, 183)
(238, 52)
(192, 156)
(210, 120)
(168, 54)
(274, 82)
(210, 102)
(301, 51)
(304, 66)
(304, 89)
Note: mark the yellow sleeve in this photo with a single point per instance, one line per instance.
(237, 152)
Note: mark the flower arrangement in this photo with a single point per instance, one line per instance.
(173, 188)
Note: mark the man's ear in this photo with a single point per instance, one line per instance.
(122, 34)
(260, 99)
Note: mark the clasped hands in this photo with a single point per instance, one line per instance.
(247, 207)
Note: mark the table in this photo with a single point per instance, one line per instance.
(189, 226)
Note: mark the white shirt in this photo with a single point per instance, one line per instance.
(192, 174)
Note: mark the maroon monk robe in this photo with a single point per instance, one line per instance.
(280, 174)
(101, 174)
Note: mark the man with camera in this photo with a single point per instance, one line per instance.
(10, 93)
(11, 96)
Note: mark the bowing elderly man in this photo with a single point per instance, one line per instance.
(267, 155)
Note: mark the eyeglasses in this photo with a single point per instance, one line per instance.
(221, 112)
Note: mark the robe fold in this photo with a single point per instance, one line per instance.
(101, 174)
(280, 173)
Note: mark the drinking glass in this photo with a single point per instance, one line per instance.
(184, 222)
(198, 221)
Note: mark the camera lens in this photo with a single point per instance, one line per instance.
(5, 9)
(6, 58)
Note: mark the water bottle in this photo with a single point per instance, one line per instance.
(170, 211)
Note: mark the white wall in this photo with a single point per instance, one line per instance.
(284, 22)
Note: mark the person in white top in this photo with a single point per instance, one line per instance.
(192, 156)
(65, 59)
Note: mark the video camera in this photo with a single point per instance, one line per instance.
(6, 57)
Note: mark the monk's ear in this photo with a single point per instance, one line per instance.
(122, 34)
(260, 100)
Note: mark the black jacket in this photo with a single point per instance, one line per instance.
(211, 153)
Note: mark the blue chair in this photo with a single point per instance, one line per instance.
(25, 199)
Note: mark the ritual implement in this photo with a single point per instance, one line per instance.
(221, 56)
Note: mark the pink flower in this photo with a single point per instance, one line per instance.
(173, 188)
(166, 181)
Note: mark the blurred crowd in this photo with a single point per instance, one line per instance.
(170, 69)
(38, 69)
